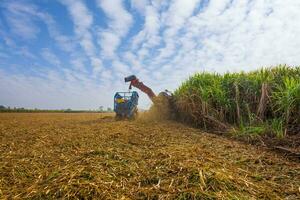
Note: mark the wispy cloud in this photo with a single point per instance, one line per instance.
(83, 21)
(23, 19)
(50, 57)
(52, 92)
(120, 21)
(139, 5)
(20, 18)
(162, 42)
(149, 35)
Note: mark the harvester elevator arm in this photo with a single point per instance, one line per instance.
(136, 83)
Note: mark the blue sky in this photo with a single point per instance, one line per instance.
(76, 53)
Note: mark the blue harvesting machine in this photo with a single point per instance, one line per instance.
(125, 104)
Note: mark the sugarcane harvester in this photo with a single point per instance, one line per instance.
(125, 103)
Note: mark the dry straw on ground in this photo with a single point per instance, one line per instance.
(92, 156)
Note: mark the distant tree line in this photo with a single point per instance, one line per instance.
(68, 110)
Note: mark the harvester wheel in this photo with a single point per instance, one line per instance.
(118, 117)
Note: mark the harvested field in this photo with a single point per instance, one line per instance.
(92, 156)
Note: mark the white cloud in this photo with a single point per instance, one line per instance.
(249, 38)
(97, 65)
(52, 92)
(149, 35)
(109, 42)
(132, 60)
(23, 19)
(120, 68)
(78, 63)
(178, 12)
(174, 20)
(83, 21)
(119, 24)
(224, 36)
(139, 5)
(50, 57)
(20, 18)
(177, 39)
(120, 18)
